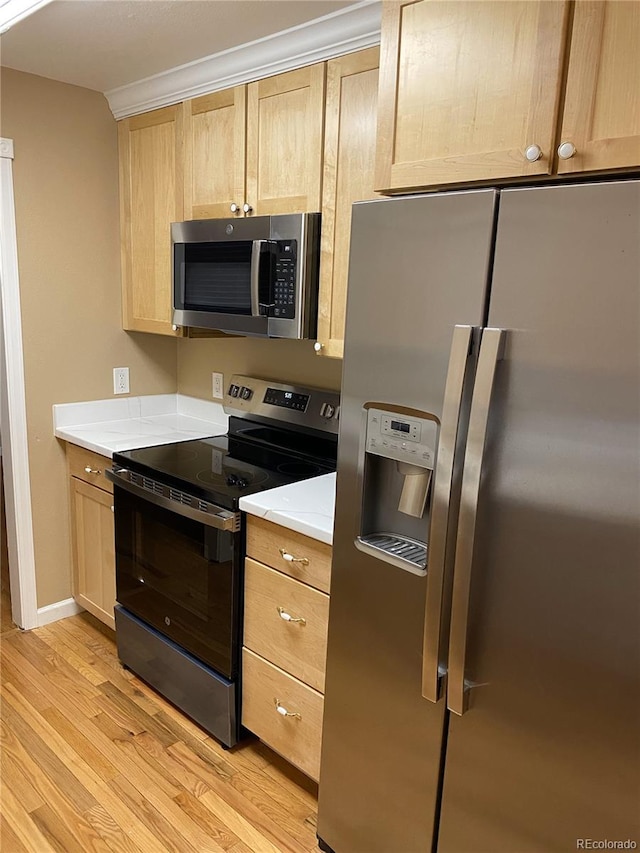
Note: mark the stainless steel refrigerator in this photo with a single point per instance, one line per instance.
(483, 667)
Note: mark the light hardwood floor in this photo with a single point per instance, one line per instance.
(94, 760)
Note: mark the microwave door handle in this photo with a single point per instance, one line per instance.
(256, 250)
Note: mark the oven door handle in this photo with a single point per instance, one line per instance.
(199, 510)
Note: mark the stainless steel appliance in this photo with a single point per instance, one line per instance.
(483, 672)
(256, 276)
(180, 540)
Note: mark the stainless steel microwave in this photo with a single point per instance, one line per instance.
(255, 276)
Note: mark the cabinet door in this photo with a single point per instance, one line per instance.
(466, 88)
(151, 198)
(349, 160)
(94, 564)
(284, 141)
(601, 116)
(214, 154)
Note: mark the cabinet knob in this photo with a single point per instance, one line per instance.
(175, 328)
(533, 153)
(283, 711)
(89, 470)
(566, 150)
(234, 208)
(318, 346)
(247, 207)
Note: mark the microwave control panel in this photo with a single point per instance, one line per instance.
(284, 280)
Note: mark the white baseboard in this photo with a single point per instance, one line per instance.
(58, 610)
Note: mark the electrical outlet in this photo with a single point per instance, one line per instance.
(217, 382)
(120, 380)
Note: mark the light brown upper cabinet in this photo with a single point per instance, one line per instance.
(601, 118)
(151, 197)
(468, 90)
(471, 91)
(349, 160)
(285, 117)
(256, 149)
(214, 154)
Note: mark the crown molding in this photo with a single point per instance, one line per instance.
(347, 30)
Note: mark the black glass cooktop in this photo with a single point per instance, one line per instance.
(225, 468)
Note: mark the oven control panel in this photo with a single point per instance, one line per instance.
(316, 408)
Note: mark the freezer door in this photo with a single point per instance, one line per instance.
(418, 267)
(548, 751)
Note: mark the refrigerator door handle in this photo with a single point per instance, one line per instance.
(491, 351)
(434, 628)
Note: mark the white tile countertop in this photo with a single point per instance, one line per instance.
(306, 507)
(107, 426)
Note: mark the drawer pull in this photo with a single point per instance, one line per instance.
(291, 559)
(89, 470)
(283, 711)
(287, 617)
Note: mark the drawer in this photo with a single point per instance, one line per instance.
(298, 737)
(275, 546)
(300, 648)
(79, 460)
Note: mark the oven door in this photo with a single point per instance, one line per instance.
(180, 576)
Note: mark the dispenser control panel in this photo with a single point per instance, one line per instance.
(397, 436)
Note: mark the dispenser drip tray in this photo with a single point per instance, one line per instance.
(402, 548)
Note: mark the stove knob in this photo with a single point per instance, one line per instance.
(246, 393)
(234, 390)
(232, 480)
(242, 483)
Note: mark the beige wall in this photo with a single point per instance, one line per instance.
(66, 191)
(286, 361)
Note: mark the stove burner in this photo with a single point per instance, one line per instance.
(299, 469)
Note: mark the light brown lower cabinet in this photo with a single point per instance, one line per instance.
(92, 534)
(286, 614)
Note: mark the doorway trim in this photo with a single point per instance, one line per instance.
(13, 412)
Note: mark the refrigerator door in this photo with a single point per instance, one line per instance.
(419, 266)
(548, 749)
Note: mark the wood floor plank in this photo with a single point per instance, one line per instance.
(81, 744)
(133, 761)
(10, 672)
(55, 767)
(9, 841)
(245, 829)
(66, 687)
(208, 822)
(165, 819)
(287, 787)
(192, 783)
(113, 698)
(225, 798)
(62, 648)
(21, 824)
(109, 830)
(79, 838)
(210, 751)
(14, 779)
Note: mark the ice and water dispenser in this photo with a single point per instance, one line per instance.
(397, 457)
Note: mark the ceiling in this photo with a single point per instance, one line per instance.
(104, 44)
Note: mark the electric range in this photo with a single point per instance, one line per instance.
(180, 540)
